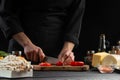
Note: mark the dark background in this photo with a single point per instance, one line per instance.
(101, 16)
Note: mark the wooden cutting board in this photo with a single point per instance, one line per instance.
(61, 68)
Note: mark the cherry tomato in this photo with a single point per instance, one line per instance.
(44, 64)
(73, 63)
(59, 63)
(77, 63)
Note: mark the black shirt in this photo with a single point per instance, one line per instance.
(48, 23)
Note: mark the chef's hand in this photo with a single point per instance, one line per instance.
(33, 53)
(66, 56)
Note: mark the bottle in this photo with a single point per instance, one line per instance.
(118, 43)
(113, 50)
(118, 48)
(91, 54)
(102, 43)
(88, 53)
(87, 58)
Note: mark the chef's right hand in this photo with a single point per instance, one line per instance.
(33, 53)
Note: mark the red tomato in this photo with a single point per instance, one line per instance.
(44, 64)
(77, 63)
(59, 63)
(73, 63)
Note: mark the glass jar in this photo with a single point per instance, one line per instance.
(17, 53)
(113, 50)
(88, 58)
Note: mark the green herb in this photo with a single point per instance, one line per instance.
(3, 53)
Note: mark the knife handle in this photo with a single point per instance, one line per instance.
(44, 59)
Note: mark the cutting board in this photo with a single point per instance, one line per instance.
(61, 68)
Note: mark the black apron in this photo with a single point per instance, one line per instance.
(44, 25)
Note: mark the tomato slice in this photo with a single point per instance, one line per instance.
(44, 64)
(73, 63)
(59, 63)
(77, 63)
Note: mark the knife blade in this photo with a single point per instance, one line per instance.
(52, 60)
(49, 59)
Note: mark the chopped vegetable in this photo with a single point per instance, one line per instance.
(44, 64)
(59, 63)
(77, 63)
(3, 54)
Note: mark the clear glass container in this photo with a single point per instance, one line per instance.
(17, 53)
(106, 68)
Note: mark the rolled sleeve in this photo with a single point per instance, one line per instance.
(74, 22)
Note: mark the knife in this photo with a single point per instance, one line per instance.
(49, 59)
(45, 59)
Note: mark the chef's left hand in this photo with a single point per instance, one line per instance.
(66, 56)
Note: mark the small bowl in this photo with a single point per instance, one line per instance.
(106, 68)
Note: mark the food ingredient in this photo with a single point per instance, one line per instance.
(98, 58)
(14, 63)
(45, 64)
(3, 54)
(77, 63)
(59, 63)
(105, 69)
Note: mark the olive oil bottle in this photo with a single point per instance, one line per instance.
(102, 43)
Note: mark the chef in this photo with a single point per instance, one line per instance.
(42, 28)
